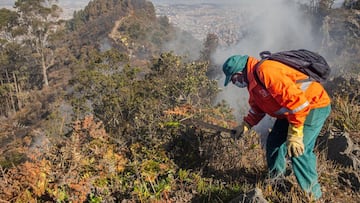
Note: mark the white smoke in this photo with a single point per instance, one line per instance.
(249, 27)
(272, 25)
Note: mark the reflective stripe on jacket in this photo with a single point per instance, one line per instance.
(283, 96)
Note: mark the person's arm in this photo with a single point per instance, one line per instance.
(252, 118)
(254, 115)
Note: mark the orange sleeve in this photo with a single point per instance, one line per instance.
(254, 115)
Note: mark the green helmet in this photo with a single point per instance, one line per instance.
(233, 65)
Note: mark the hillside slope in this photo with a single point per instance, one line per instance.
(115, 125)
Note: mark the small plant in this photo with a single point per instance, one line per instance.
(346, 113)
(156, 173)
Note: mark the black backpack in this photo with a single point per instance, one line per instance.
(305, 61)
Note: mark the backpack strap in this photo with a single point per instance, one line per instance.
(256, 75)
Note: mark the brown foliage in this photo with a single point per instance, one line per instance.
(66, 172)
(26, 182)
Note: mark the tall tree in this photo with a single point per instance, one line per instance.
(12, 60)
(210, 44)
(39, 18)
(8, 22)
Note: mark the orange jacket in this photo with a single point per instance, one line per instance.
(283, 97)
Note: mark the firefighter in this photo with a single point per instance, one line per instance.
(300, 109)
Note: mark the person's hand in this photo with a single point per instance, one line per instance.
(241, 129)
(295, 144)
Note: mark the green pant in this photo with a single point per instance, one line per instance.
(304, 166)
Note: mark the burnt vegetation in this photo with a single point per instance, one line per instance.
(92, 110)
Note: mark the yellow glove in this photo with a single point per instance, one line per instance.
(240, 129)
(295, 144)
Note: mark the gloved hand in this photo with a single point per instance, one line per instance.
(240, 129)
(295, 144)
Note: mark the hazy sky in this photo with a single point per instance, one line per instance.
(84, 2)
(69, 4)
(271, 25)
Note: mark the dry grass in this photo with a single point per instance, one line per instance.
(196, 165)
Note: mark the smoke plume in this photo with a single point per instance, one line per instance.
(272, 25)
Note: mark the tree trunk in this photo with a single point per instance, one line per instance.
(44, 68)
(11, 93)
(18, 96)
(7, 108)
